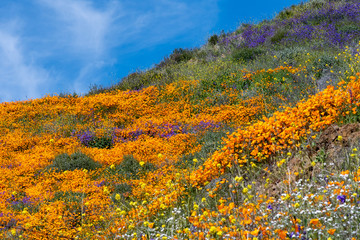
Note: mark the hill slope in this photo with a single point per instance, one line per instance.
(253, 136)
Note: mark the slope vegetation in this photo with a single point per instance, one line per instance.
(254, 135)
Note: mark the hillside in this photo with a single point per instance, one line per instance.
(254, 135)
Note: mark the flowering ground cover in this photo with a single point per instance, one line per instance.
(228, 149)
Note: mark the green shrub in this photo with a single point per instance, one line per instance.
(285, 14)
(78, 160)
(210, 142)
(181, 55)
(348, 28)
(278, 36)
(134, 81)
(324, 62)
(213, 40)
(96, 89)
(123, 189)
(130, 168)
(100, 142)
(246, 54)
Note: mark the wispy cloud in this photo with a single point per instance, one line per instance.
(20, 78)
(67, 45)
(79, 26)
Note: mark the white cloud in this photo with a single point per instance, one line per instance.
(101, 33)
(19, 79)
(76, 40)
(160, 21)
(83, 28)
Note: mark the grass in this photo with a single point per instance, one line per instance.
(253, 135)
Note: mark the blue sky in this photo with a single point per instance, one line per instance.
(65, 46)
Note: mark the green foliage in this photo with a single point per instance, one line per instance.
(348, 27)
(246, 54)
(100, 142)
(77, 160)
(181, 55)
(291, 54)
(210, 142)
(321, 156)
(213, 40)
(324, 62)
(130, 168)
(96, 89)
(286, 14)
(278, 36)
(123, 189)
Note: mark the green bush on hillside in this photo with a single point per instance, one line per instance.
(130, 168)
(213, 40)
(246, 54)
(100, 142)
(77, 160)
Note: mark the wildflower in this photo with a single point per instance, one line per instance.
(245, 190)
(159, 155)
(355, 150)
(117, 197)
(141, 163)
(314, 221)
(219, 233)
(239, 179)
(196, 207)
(313, 163)
(331, 231)
(212, 229)
(112, 167)
(339, 138)
(297, 205)
(106, 190)
(269, 207)
(342, 198)
(52, 140)
(195, 160)
(13, 231)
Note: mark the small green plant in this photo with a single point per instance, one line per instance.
(348, 28)
(101, 142)
(213, 40)
(181, 55)
(77, 160)
(286, 14)
(278, 36)
(246, 54)
(210, 142)
(324, 62)
(130, 168)
(123, 190)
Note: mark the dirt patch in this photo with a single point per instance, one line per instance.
(330, 142)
